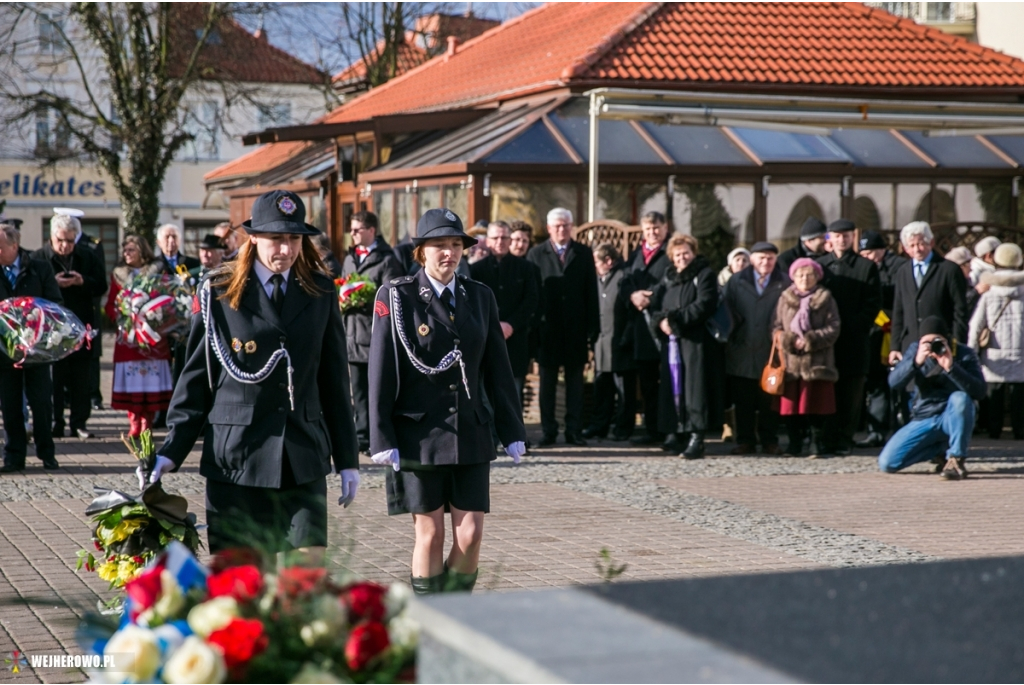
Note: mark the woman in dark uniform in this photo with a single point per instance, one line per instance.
(436, 346)
(267, 369)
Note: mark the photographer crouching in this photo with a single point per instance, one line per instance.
(945, 380)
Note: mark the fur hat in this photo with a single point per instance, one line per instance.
(959, 255)
(1009, 256)
(986, 245)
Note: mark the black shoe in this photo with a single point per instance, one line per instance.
(672, 444)
(872, 440)
(12, 468)
(429, 586)
(50, 464)
(646, 439)
(546, 441)
(459, 582)
(695, 447)
(843, 451)
(83, 434)
(594, 433)
(58, 431)
(575, 440)
(97, 404)
(619, 437)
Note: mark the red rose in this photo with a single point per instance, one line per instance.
(240, 641)
(296, 580)
(365, 601)
(244, 583)
(144, 590)
(236, 556)
(366, 641)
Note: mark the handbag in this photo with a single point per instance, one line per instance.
(773, 378)
(985, 334)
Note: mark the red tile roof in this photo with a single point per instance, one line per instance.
(409, 55)
(257, 161)
(840, 48)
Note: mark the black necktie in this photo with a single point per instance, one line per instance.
(277, 294)
(449, 302)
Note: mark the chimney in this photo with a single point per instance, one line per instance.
(453, 44)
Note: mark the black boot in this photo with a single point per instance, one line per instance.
(695, 447)
(461, 582)
(431, 585)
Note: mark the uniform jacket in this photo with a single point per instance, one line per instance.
(570, 320)
(1003, 360)
(942, 294)
(382, 266)
(643, 276)
(613, 350)
(817, 362)
(514, 285)
(35, 279)
(430, 419)
(687, 300)
(80, 299)
(753, 315)
(252, 426)
(932, 393)
(856, 288)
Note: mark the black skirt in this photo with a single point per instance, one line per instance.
(267, 519)
(423, 489)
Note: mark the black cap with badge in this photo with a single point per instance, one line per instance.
(872, 240)
(441, 223)
(279, 211)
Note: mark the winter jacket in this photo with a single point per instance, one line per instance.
(1003, 360)
(978, 267)
(644, 276)
(932, 393)
(854, 283)
(942, 294)
(613, 350)
(753, 316)
(817, 362)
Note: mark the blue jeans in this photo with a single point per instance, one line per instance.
(921, 439)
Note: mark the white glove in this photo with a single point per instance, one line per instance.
(163, 465)
(349, 486)
(386, 457)
(516, 450)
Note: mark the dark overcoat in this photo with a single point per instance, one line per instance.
(887, 270)
(794, 253)
(252, 426)
(855, 285)
(644, 276)
(613, 350)
(514, 284)
(429, 418)
(687, 300)
(570, 320)
(35, 279)
(753, 315)
(942, 293)
(189, 262)
(80, 299)
(382, 266)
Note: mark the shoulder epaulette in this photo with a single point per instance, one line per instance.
(402, 280)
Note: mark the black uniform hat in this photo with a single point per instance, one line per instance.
(872, 240)
(441, 223)
(279, 211)
(841, 226)
(212, 242)
(812, 228)
(764, 246)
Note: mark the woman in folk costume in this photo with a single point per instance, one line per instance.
(436, 349)
(267, 370)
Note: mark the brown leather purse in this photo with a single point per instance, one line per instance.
(773, 378)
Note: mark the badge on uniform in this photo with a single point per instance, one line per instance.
(286, 205)
(250, 347)
(423, 330)
(380, 309)
(425, 293)
(196, 307)
(236, 345)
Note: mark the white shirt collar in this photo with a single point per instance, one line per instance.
(438, 286)
(264, 274)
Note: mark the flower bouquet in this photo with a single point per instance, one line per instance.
(131, 531)
(37, 331)
(151, 308)
(355, 291)
(235, 622)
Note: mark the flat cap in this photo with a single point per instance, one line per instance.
(872, 240)
(841, 226)
(764, 246)
(812, 228)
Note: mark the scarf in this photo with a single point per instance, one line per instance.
(648, 252)
(801, 323)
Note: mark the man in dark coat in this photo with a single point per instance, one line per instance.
(645, 269)
(854, 283)
(752, 296)
(81, 279)
(168, 237)
(614, 380)
(23, 276)
(373, 258)
(515, 288)
(96, 247)
(811, 243)
(570, 322)
(928, 285)
(877, 394)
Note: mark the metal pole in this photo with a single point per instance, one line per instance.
(595, 106)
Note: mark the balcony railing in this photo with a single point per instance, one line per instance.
(931, 12)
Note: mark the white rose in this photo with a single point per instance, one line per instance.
(212, 615)
(312, 674)
(195, 662)
(403, 631)
(171, 600)
(142, 644)
(396, 598)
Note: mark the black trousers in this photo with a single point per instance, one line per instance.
(359, 374)
(838, 429)
(573, 399)
(998, 393)
(34, 383)
(72, 374)
(614, 403)
(648, 372)
(878, 406)
(756, 421)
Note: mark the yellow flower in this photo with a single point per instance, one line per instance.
(126, 527)
(108, 571)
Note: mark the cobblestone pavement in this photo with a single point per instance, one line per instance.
(551, 516)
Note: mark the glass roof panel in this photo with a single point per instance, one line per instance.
(696, 144)
(962, 152)
(873, 148)
(535, 145)
(619, 143)
(780, 146)
(1011, 145)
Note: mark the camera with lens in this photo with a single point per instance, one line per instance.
(937, 347)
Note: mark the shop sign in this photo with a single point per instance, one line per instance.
(28, 184)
